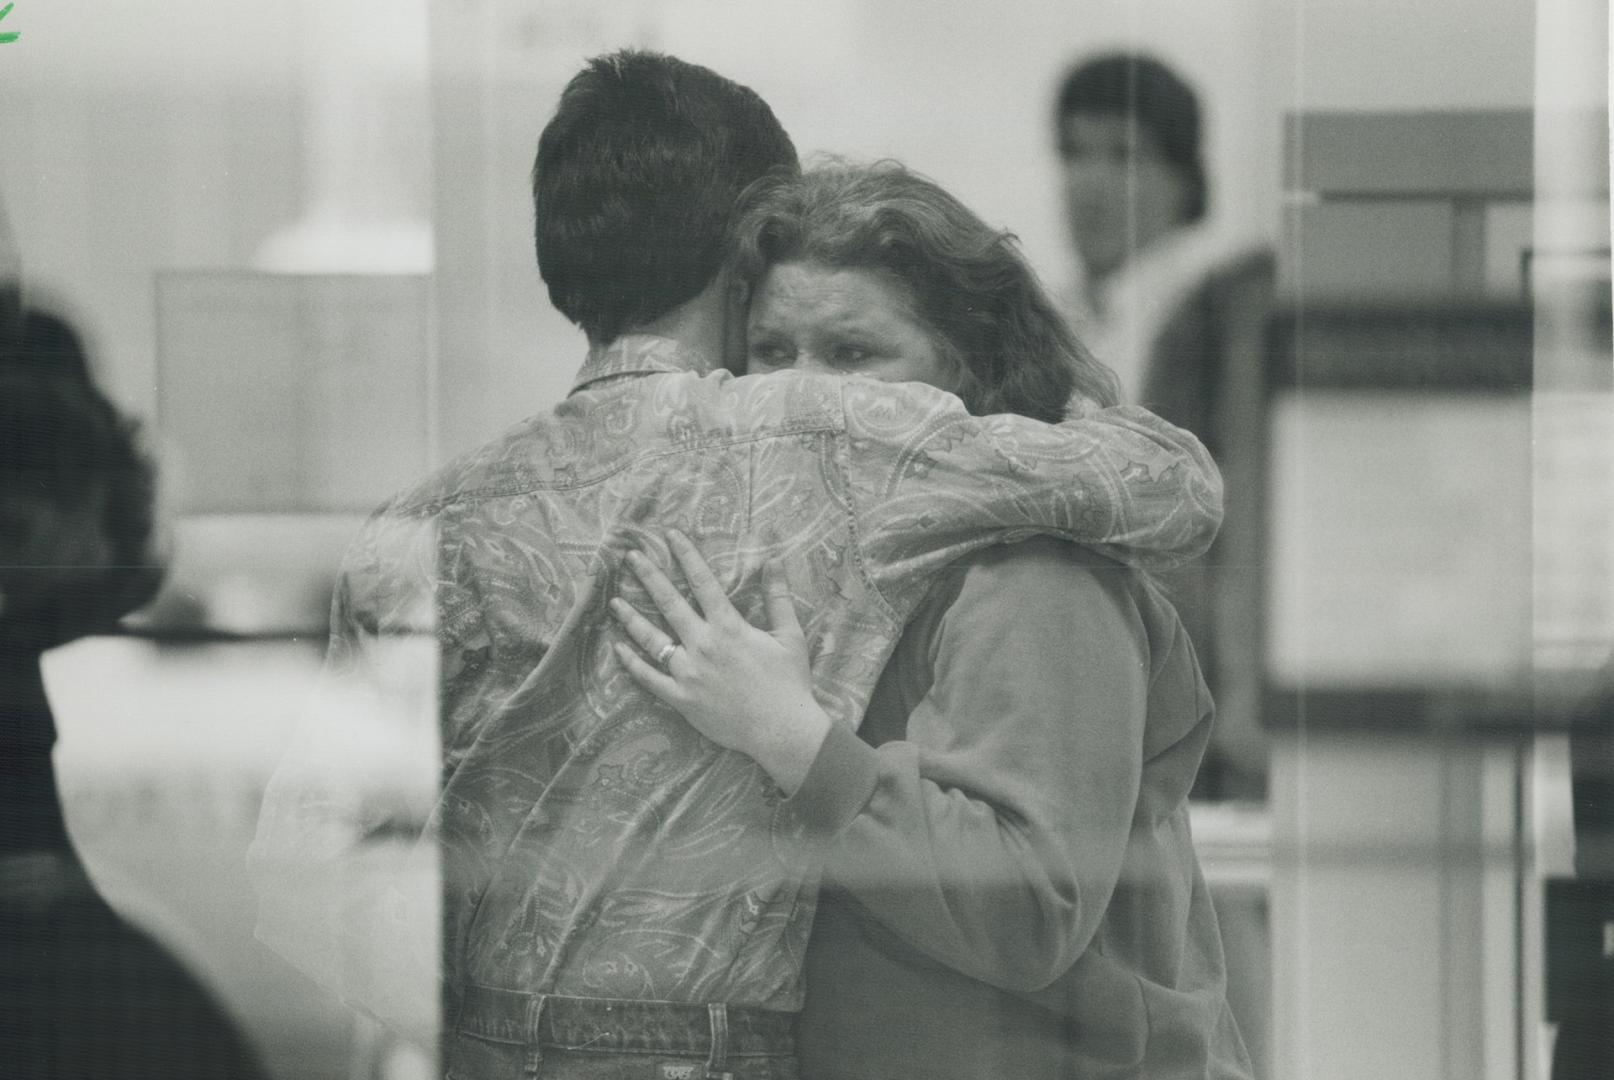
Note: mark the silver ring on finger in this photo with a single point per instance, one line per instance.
(665, 653)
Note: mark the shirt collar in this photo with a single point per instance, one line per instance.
(639, 354)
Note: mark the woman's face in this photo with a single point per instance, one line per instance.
(841, 321)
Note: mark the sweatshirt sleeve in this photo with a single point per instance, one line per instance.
(996, 828)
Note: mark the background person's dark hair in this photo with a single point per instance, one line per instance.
(634, 183)
(76, 494)
(969, 282)
(1145, 90)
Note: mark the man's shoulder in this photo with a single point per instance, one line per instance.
(594, 432)
(398, 545)
(487, 467)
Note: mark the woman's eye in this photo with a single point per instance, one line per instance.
(849, 355)
(769, 356)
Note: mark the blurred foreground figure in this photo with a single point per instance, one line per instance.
(82, 992)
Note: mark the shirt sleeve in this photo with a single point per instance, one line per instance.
(997, 827)
(930, 483)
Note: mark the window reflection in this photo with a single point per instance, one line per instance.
(300, 239)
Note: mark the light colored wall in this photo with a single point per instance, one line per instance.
(137, 137)
(146, 137)
(963, 92)
(960, 91)
(1371, 55)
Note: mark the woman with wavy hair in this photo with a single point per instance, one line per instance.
(1017, 893)
(999, 338)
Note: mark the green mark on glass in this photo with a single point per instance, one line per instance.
(7, 39)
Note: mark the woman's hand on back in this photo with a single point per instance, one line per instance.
(744, 687)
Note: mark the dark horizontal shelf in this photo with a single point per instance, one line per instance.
(1445, 346)
(1435, 711)
(204, 635)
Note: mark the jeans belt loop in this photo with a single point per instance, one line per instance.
(718, 1013)
(534, 1025)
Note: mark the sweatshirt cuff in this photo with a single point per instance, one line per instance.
(837, 787)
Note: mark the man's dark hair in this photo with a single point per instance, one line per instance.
(76, 494)
(634, 183)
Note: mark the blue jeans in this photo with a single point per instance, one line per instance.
(515, 1035)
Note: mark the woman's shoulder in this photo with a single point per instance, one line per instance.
(1047, 562)
(1068, 581)
(1047, 594)
(1045, 573)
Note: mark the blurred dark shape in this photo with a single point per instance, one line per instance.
(1580, 977)
(37, 341)
(1580, 910)
(82, 992)
(10, 271)
(76, 508)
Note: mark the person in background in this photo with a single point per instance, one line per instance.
(83, 993)
(1177, 303)
(621, 894)
(1017, 894)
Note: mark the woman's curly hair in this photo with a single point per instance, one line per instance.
(971, 287)
(76, 494)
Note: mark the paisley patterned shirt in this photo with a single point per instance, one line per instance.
(592, 843)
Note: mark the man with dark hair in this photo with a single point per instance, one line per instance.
(82, 992)
(675, 144)
(621, 895)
